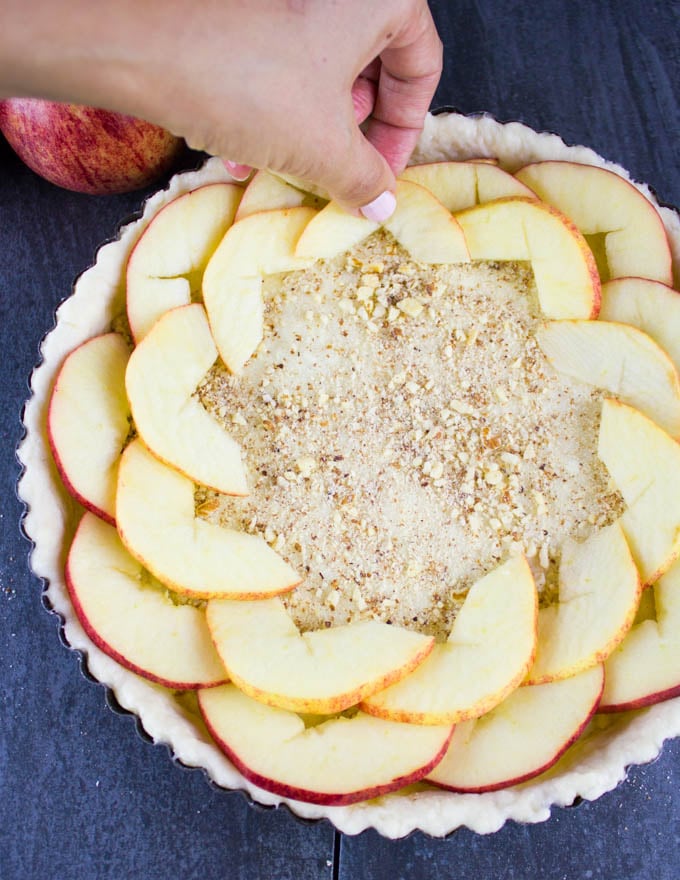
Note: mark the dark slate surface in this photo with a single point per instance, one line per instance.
(82, 795)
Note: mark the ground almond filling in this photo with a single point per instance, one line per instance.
(404, 434)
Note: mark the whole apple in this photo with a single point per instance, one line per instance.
(87, 149)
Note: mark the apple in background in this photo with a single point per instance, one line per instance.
(87, 149)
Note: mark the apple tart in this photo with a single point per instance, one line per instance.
(380, 521)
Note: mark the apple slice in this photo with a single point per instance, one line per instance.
(521, 228)
(603, 203)
(316, 672)
(488, 653)
(262, 244)
(644, 463)
(619, 358)
(520, 738)
(340, 761)
(650, 306)
(599, 592)
(130, 616)
(460, 185)
(156, 522)
(268, 192)
(161, 378)
(645, 668)
(420, 223)
(166, 264)
(88, 421)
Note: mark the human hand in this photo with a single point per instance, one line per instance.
(271, 84)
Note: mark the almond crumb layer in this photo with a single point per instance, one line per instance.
(404, 434)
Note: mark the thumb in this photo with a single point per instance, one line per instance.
(358, 177)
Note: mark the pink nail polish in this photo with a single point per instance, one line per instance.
(380, 208)
(238, 172)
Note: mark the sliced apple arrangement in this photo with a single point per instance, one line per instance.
(340, 715)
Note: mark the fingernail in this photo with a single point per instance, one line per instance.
(238, 172)
(381, 208)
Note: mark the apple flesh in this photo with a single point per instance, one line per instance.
(644, 464)
(195, 558)
(601, 202)
(599, 592)
(519, 228)
(648, 305)
(88, 421)
(87, 149)
(645, 668)
(129, 615)
(269, 192)
(161, 379)
(259, 245)
(167, 263)
(488, 653)
(420, 223)
(620, 359)
(320, 672)
(340, 761)
(522, 737)
(461, 185)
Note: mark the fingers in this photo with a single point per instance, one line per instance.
(364, 92)
(355, 174)
(238, 172)
(409, 74)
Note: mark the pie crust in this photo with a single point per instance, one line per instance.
(595, 765)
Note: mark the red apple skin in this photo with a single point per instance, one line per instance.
(324, 799)
(119, 658)
(507, 783)
(86, 149)
(70, 488)
(642, 702)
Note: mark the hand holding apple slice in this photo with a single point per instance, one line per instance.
(645, 668)
(259, 245)
(601, 202)
(161, 378)
(319, 672)
(648, 305)
(131, 618)
(166, 264)
(619, 358)
(522, 737)
(420, 223)
(644, 463)
(488, 653)
(89, 420)
(340, 761)
(156, 522)
(599, 591)
(460, 185)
